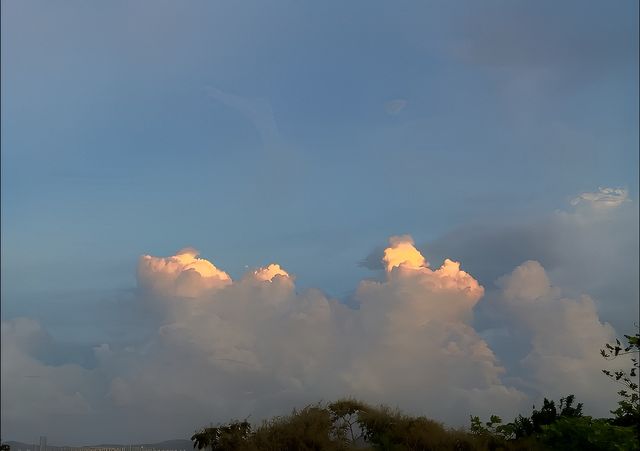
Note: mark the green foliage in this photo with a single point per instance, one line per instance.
(233, 435)
(349, 424)
(585, 433)
(566, 428)
(306, 429)
(563, 428)
(522, 427)
(388, 429)
(4, 447)
(492, 428)
(628, 411)
(525, 427)
(345, 416)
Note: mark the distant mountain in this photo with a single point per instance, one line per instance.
(172, 444)
(167, 444)
(18, 445)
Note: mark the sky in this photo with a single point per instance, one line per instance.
(327, 138)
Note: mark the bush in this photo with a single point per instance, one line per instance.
(307, 429)
(585, 433)
(349, 424)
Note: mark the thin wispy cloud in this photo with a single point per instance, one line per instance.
(257, 111)
(395, 106)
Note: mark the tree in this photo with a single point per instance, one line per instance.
(309, 428)
(232, 435)
(628, 411)
(586, 433)
(204, 438)
(525, 427)
(345, 414)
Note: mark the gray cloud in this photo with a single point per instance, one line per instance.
(539, 36)
(587, 249)
(563, 336)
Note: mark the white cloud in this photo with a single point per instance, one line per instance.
(414, 345)
(182, 275)
(266, 347)
(565, 335)
(269, 272)
(228, 348)
(34, 392)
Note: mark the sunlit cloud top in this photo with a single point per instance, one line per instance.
(185, 260)
(269, 272)
(403, 253)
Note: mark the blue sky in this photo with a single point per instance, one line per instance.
(305, 133)
(112, 146)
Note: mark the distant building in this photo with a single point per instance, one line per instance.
(43, 443)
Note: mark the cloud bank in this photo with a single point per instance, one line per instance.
(224, 348)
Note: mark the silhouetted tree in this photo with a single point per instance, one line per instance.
(231, 436)
(345, 414)
(307, 429)
(628, 411)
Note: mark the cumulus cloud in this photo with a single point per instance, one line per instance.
(266, 345)
(255, 345)
(564, 336)
(414, 344)
(33, 392)
(181, 275)
(402, 252)
(584, 249)
(269, 272)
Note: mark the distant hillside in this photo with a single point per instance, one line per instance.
(167, 444)
(18, 445)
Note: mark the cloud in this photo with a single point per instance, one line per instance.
(34, 393)
(603, 198)
(564, 335)
(414, 345)
(402, 253)
(269, 272)
(584, 249)
(395, 106)
(527, 282)
(258, 111)
(509, 38)
(267, 346)
(181, 275)
(534, 69)
(226, 348)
